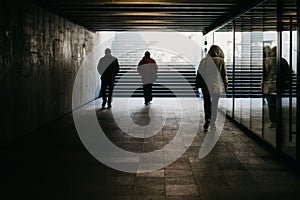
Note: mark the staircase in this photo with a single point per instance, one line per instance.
(247, 82)
(176, 77)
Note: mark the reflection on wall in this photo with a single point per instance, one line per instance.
(253, 109)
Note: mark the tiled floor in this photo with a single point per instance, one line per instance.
(52, 163)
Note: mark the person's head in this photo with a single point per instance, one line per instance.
(107, 51)
(267, 51)
(273, 52)
(216, 51)
(147, 54)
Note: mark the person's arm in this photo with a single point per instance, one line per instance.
(117, 67)
(99, 67)
(155, 67)
(224, 75)
(199, 79)
(287, 74)
(139, 67)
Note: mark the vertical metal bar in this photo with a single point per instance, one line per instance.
(298, 85)
(251, 68)
(279, 86)
(291, 81)
(233, 71)
(262, 94)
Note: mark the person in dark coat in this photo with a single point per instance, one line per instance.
(147, 68)
(108, 67)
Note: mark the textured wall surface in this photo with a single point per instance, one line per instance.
(40, 54)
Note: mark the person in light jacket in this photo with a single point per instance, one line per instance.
(147, 68)
(269, 83)
(212, 78)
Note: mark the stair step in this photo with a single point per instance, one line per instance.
(129, 49)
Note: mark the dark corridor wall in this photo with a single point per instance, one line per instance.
(40, 54)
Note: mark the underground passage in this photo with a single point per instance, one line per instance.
(160, 100)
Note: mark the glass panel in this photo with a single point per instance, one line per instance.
(288, 77)
(256, 76)
(238, 72)
(243, 70)
(224, 38)
(245, 85)
(269, 86)
(256, 70)
(257, 83)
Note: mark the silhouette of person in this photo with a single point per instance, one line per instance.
(147, 68)
(212, 78)
(108, 67)
(269, 80)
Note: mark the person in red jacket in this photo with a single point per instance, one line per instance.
(108, 67)
(147, 68)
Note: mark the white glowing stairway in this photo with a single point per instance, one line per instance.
(176, 77)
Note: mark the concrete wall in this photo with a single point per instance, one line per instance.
(40, 54)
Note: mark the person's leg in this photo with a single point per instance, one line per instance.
(207, 108)
(145, 93)
(214, 109)
(150, 92)
(103, 92)
(146, 89)
(271, 99)
(207, 105)
(99, 88)
(111, 85)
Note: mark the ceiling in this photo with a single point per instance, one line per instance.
(122, 15)
(265, 17)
